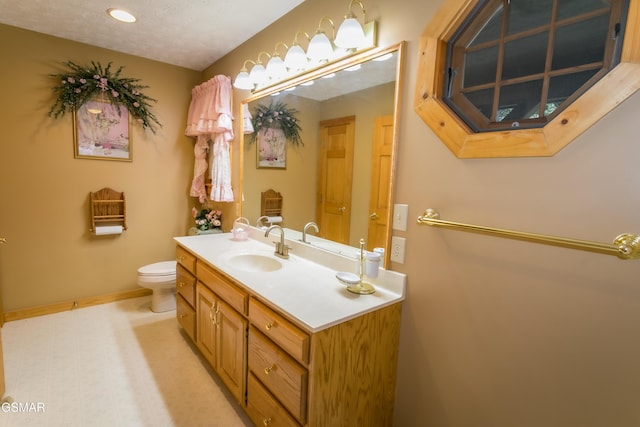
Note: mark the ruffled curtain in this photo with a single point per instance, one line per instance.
(210, 120)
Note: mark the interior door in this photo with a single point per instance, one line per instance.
(380, 182)
(335, 178)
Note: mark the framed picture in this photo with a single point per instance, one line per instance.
(102, 130)
(271, 149)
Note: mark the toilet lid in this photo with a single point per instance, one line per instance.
(164, 268)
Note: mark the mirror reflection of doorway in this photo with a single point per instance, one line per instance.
(335, 178)
(381, 169)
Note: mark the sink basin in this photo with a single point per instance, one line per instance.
(254, 262)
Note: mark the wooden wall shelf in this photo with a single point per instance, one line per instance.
(108, 207)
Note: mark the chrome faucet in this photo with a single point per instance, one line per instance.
(306, 227)
(259, 221)
(282, 250)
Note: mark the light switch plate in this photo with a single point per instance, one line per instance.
(400, 215)
(397, 249)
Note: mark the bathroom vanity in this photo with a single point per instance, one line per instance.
(292, 345)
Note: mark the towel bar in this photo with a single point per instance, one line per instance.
(625, 246)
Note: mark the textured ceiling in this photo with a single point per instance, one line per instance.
(188, 33)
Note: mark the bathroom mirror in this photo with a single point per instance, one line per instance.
(343, 175)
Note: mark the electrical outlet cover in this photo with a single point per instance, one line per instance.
(397, 249)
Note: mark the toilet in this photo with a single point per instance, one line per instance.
(161, 279)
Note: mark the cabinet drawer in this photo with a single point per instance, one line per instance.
(279, 372)
(186, 317)
(229, 292)
(280, 330)
(186, 259)
(186, 285)
(263, 409)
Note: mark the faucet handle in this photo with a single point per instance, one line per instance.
(282, 250)
(285, 250)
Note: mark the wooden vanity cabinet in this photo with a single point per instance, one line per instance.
(186, 259)
(186, 291)
(344, 375)
(222, 330)
(284, 374)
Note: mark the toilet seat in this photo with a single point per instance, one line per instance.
(158, 269)
(160, 277)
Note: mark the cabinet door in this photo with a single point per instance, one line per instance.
(231, 363)
(206, 327)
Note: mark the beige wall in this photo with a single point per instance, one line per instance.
(44, 213)
(498, 332)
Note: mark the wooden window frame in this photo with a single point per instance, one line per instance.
(613, 88)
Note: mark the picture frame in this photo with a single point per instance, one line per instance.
(102, 130)
(271, 149)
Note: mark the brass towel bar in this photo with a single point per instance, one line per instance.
(625, 246)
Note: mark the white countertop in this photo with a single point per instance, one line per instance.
(306, 287)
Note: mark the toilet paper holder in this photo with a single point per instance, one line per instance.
(108, 208)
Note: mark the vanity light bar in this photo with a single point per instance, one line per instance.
(351, 38)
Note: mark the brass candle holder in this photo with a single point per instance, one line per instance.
(362, 288)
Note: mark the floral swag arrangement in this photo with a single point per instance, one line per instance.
(207, 219)
(278, 116)
(82, 84)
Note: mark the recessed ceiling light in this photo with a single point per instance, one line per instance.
(121, 15)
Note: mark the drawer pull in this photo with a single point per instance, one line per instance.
(182, 316)
(181, 258)
(268, 326)
(181, 284)
(266, 421)
(268, 369)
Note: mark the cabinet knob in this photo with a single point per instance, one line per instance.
(268, 369)
(181, 284)
(268, 326)
(266, 421)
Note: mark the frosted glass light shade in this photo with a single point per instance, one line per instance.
(276, 69)
(243, 81)
(258, 74)
(295, 59)
(350, 34)
(320, 48)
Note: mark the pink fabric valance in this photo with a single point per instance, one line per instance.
(210, 108)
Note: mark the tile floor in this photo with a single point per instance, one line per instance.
(116, 364)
